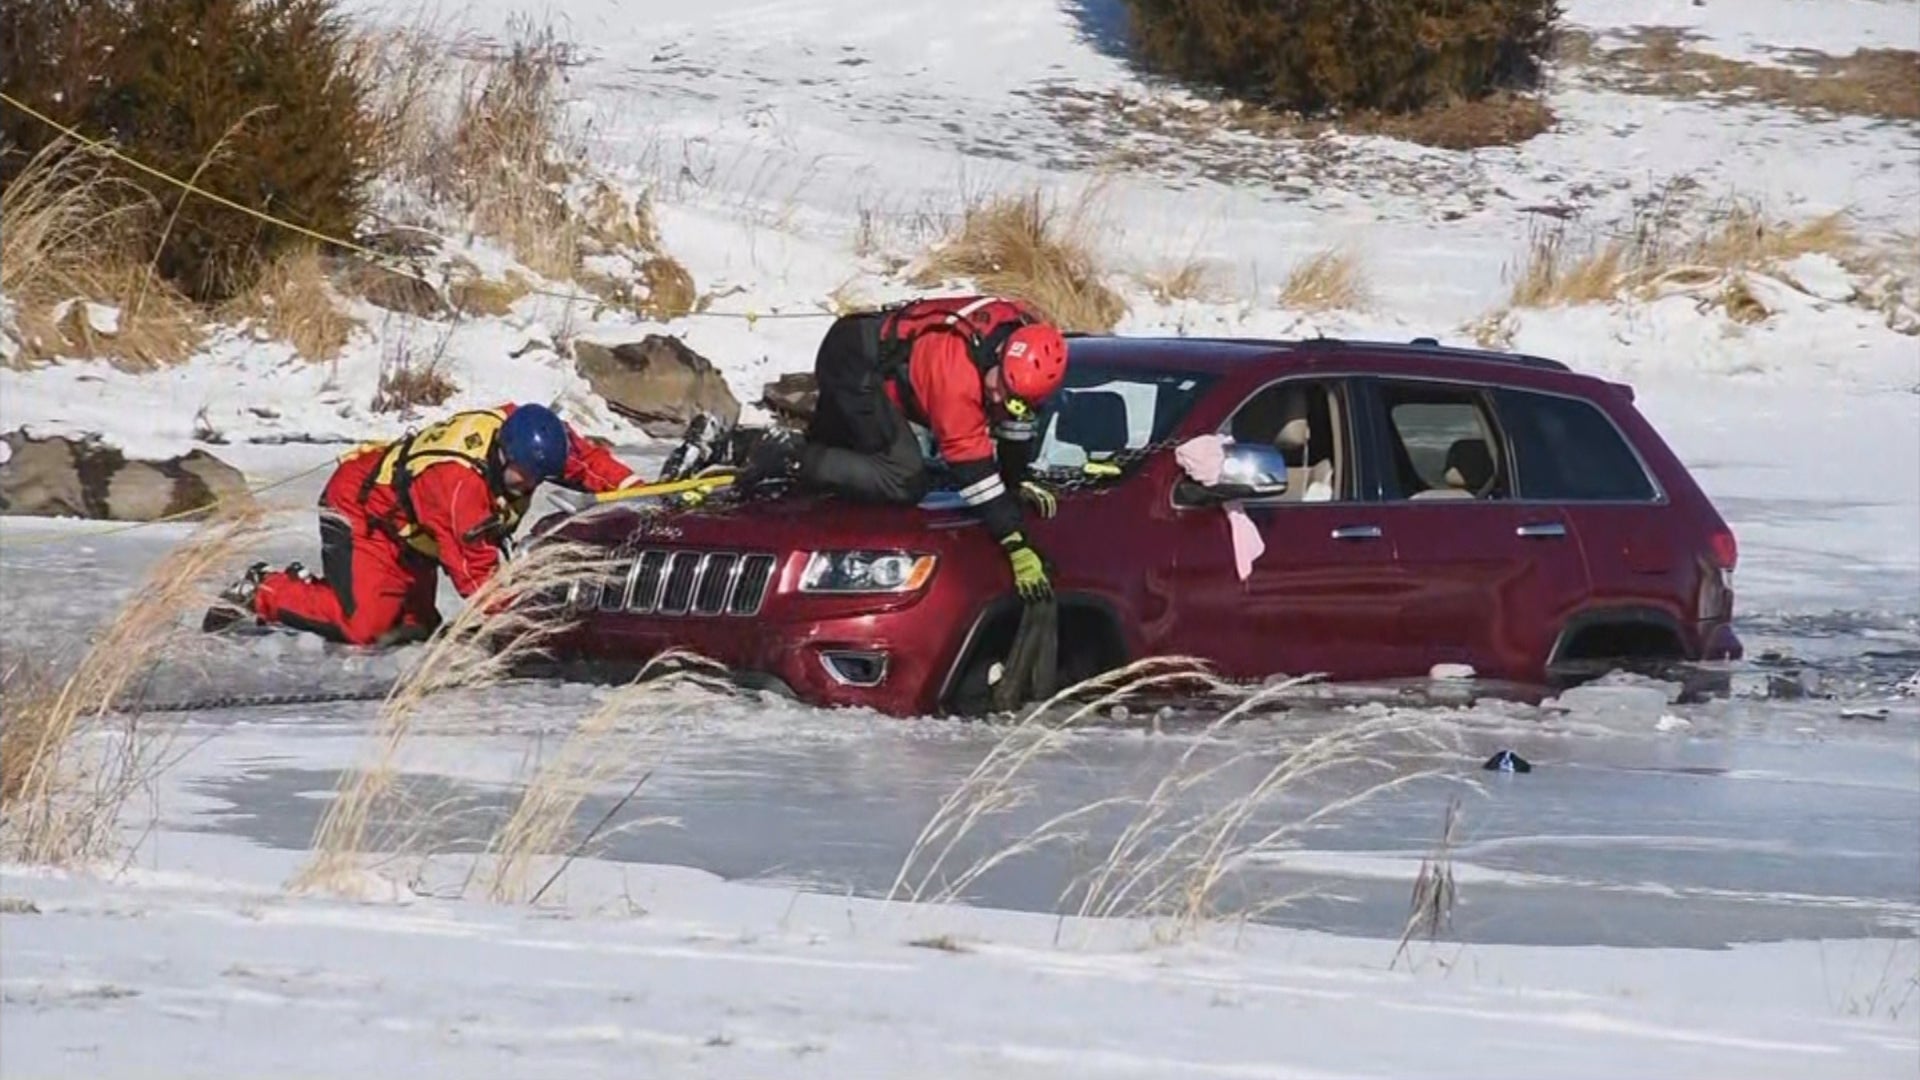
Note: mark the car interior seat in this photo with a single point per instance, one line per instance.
(1309, 459)
(1469, 472)
(1095, 421)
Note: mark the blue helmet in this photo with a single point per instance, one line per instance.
(535, 441)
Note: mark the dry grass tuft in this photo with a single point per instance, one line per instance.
(1430, 908)
(1029, 247)
(1879, 83)
(485, 132)
(1332, 279)
(410, 382)
(1192, 279)
(1183, 847)
(505, 622)
(68, 761)
(1655, 255)
(293, 300)
(1737, 299)
(68, 266)
(509, 152)
(670, 288)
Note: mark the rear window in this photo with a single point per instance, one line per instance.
(1565, 449)
(1101, 412)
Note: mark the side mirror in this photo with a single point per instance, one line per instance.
(1249, 471)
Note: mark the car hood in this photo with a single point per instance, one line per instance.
(785, 523)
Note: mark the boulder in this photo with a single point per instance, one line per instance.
(791, 398)
(402, 293)
(60, 477)
(656, 382)
(40, 477)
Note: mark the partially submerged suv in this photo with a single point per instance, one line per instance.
(1418, 506)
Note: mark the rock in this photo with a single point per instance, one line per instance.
(656, 382)
(40, 478)
(223, 482)
(59, 477)
(792, 398)
(138, 491)
(387, 289)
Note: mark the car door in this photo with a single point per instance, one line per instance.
(1570, 455)
(1321, 598)
(1487, 579)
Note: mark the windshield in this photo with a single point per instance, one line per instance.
(1101, 412)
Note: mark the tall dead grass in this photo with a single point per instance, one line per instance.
(1184, 844)
(1031, 247)
(488, 135)
(69, 264)
(597, 753)
(507, 621)
(1328, 280)
(1561, 267)
(294, 301)
(68, 761)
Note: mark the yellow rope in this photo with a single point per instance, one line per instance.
(378, 259)
(9, 543)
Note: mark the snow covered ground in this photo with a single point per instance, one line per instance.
(1723, 888)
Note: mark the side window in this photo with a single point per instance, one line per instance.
(1566, 449)
(1442, 443)
(1302, 419)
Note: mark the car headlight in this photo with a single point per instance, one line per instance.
(865, 572)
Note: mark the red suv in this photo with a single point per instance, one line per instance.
(1418, 505)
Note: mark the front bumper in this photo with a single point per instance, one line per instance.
(886, 661)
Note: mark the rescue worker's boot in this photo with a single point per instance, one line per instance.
(775, 457)
(235, 603)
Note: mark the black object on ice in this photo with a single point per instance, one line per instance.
(1507, 761)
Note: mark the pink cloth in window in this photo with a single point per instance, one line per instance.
(1203, 458)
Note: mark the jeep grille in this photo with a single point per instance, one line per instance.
(681, 582)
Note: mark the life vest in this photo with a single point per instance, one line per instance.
(985, 322)
(465, 438)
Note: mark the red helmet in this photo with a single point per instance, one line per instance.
(1033, 363)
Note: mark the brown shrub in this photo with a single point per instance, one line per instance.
(254, 100)
(1317, 55)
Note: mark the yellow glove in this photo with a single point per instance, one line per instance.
(1029, 571)
(1037, 496)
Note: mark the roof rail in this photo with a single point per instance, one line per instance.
(1429, 346)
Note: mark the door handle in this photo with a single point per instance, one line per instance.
(1540, 530)
(1357, 532)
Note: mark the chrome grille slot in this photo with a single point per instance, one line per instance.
(682, 569)
(716, 581)
(585, 595)
(756, 573)
(649, 576)
(615, 587)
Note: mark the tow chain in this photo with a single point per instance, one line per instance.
(249, 701)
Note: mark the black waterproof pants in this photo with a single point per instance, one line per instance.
(859, 445)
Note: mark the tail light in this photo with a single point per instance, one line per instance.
(1723, 548)
(1715, 601)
